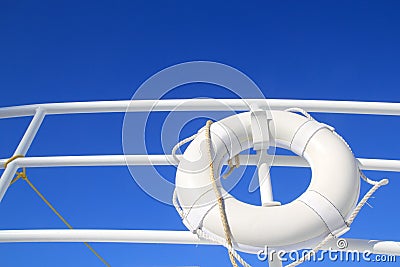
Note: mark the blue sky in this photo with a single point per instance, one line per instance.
(58, 51)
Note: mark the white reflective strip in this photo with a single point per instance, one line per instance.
(328, 213)
(304, 134)
(194, 219)
(194, 216)
(260, 129)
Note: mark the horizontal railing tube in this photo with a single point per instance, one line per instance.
(326, 106)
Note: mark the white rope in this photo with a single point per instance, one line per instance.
(181, 143)
(178, 207)
(201, 234)
(365, 199)
(302, 111)
(360, 205)
(366, 179)
(174, 149)
(312, 252)
(349, 221)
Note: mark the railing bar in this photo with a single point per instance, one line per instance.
(21, 150)
(165, 237)
(149, 160)
(328, 106)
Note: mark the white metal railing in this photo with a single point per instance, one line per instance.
(149, 160)
(326, 106)
(39, 111)
(163, 237)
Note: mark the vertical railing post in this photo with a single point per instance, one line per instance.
(22, 148)
(264, 179)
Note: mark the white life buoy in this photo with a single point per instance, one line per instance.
(322, 209)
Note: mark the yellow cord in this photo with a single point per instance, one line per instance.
(222, 212)
(11, 159)
(232, 166)
(25, 178)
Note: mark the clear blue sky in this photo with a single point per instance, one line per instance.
(57, 51)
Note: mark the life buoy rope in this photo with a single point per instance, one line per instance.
(220, 200)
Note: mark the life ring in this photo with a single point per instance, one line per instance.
(322, 209)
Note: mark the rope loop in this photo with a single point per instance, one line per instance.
(232, 166)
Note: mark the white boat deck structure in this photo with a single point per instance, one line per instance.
(39, 111)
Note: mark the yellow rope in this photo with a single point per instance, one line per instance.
(218, 195)
(232, 166)
(11, 159)
(25, 178)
